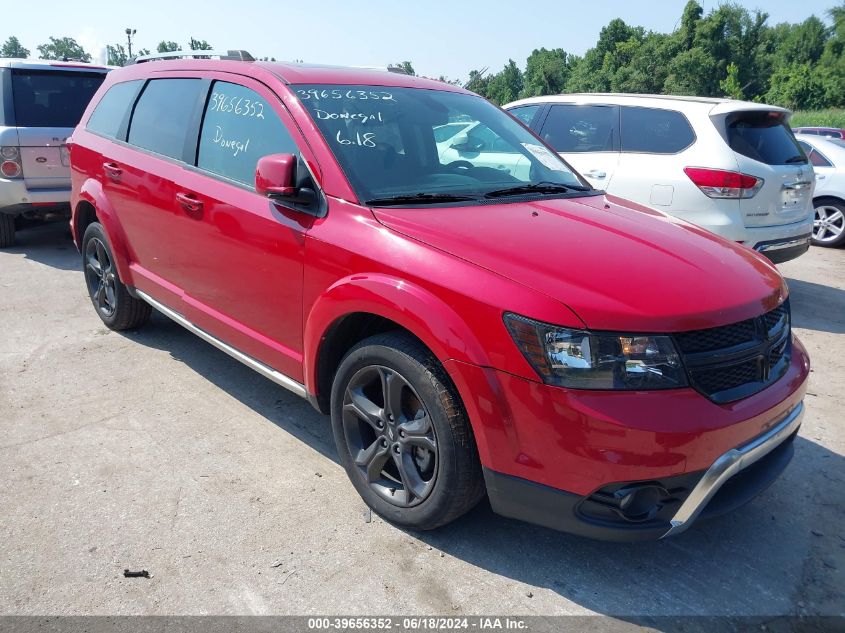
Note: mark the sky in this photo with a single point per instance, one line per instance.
(438, 37)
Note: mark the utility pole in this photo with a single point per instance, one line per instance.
(129, 34)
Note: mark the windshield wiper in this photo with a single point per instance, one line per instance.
(796, 159)
(419, 198)
(537, 187)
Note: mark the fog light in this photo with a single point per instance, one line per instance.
(640, 503)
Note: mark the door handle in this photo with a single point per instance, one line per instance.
(596, 173)
(112, 171)
(189, 201)
(820, 176)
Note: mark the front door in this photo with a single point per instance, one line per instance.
(241, 255)
(587, 137)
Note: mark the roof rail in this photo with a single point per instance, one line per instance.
(235, 55)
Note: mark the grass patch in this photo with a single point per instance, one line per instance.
(832, 117)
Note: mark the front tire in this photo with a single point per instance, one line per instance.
(402, 433)
(115, 306)
(7, 230)
(829, 223)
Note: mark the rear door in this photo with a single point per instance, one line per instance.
(140, 180)
(587, 137)
(48, 103)
(652, 159)
(765, 147)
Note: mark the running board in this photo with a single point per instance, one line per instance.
(249, 361)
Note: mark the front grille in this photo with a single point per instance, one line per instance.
(734, 361)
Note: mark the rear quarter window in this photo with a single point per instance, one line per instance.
(112, 112)
(52, 98)
(763, 136)
(655, 131)
(582, 128)
(163, 114)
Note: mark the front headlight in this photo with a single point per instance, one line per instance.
(580, 359)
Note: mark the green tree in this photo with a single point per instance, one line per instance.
(406, 67)
(797, 87)
(13, 48)
(63, 48)
(546, 72)
(506, 85)
(199, 45)
(478, 82)
(167, 47)
(116, 55)
(730, 85)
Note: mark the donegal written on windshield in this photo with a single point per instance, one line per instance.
(394, 143)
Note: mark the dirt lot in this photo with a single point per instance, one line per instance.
(154, 450)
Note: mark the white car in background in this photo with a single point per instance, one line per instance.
(731, 167)
(827, 156)
(473, 141)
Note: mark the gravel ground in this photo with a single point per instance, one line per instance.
(153, 450)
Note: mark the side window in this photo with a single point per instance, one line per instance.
(655, 131)
(525, 113)
(815, 158)
(581, 128)
(108, 116)
(163, 114)
(238, 128)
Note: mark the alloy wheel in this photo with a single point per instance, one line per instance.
(828, 224)
(390, 435)
(100, 277)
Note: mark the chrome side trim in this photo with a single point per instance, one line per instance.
(249, 361)
(730, 464)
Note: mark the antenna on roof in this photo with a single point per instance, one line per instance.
(233, 55)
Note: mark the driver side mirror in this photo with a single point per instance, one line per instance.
(275, 177)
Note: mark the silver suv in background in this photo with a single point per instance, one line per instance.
(40, 104)
(731, 167)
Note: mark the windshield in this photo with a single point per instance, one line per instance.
(435, 146)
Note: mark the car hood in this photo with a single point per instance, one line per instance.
(617, 265)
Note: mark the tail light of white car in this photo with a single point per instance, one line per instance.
(10, 162)
(721, 183)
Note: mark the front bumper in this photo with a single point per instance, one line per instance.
(567, 459)
(733, 480)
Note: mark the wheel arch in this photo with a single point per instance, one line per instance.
(91, 205)
(360, 306)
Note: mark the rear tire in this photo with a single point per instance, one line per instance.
(114, 305)
(829, 223)
(7, 230)
(402, 433)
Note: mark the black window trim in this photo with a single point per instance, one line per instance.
(684, 116)
(815, 150)
(123, 128)
(617, 137)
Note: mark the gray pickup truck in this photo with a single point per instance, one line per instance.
(40, 103)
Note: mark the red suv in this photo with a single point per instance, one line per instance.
(473, 316)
